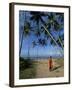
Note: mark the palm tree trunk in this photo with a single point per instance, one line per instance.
(52, 38)
(21, 44)
(44, 26)
(50, 35)
(28, 51)
(61, 43)
(37, 47)
(22, 38)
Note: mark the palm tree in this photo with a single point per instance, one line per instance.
(26, 32)
(22, 35)
(52, 23)
(36, 16)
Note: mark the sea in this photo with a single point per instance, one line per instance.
(42, 57)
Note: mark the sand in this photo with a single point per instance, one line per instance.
(42, 70)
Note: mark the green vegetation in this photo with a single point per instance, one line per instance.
(39, 68)
(27, 69)
(50, 25)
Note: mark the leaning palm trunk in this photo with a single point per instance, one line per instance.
(21, 43)
(53, 38)
(61, 43)
(44, 26)
(22, 37)
(50, 35)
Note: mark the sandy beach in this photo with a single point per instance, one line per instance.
(42, 69)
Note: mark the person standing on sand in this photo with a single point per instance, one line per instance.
(50, 63)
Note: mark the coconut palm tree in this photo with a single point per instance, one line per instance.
(26, 31)
(55, 20)
(36, 16)
(52, 23)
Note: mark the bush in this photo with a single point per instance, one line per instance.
(25, 63)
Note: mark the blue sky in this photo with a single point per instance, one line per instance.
(48, 50)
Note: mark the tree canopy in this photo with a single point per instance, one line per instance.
(45, 26)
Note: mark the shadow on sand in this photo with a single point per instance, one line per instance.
(55, 68)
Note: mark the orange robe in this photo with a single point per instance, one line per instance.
(50, 64)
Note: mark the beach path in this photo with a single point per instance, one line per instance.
(43, 71)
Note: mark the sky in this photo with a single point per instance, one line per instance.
(38, 51)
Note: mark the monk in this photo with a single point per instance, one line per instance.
(50, 63)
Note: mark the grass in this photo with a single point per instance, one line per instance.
(27, 73)
(26, 69)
